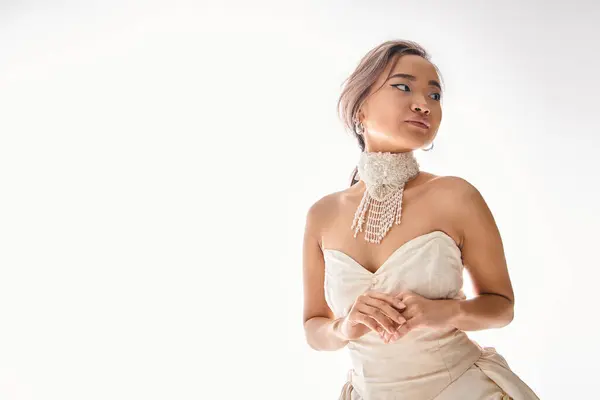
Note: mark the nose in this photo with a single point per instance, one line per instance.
(421, 108)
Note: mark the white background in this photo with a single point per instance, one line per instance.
(157, 159)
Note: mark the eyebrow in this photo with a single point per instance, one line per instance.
(414, 78)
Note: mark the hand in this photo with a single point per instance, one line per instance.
(372, 311)
(423, 312)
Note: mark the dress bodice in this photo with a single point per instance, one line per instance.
(425, 361)
(429, 265)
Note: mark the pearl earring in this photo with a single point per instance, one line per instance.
(358, 127)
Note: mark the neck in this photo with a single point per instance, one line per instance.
(370, 149)
(384, 173)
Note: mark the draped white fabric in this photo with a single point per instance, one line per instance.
(426, 363)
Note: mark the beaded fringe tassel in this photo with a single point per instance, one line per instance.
(381, 217)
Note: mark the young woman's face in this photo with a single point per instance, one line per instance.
(399, 99)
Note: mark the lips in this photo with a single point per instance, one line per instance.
(420, 124)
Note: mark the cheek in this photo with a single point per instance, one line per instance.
(437, 120)
(390, 111)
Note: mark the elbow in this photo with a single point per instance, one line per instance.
(308, 340)
(318, 335)
(312, 342)
(308, 337)
(312, 345)
(505, 320)
(505, 311)
(510, 314)
(507, 316)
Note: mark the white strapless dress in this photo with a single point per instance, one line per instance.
(426, 363)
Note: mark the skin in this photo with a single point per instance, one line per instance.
(430, 202)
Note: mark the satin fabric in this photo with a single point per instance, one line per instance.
(426, 363)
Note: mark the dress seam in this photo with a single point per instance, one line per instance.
(444, 360)
(445, 366)
(452, 380)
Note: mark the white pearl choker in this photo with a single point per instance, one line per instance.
(385, 175)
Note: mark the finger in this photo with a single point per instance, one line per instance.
(403, 330)
(386, 308)
(387, 337)
(404, 294)
(368, 321)
(395, 336)
(392, 300)
(410, 312)
(382, 301)
(377, 315)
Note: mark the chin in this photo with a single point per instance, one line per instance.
(404, 139)
(418, 141)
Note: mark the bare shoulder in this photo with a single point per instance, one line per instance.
(465, 195)
(453, 185)
(320, 213)
(322, 207)
(480, 240)
(459, 200)
(453, 192)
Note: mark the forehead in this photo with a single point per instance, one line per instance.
(410, 64)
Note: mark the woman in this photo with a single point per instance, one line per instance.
(393, 296)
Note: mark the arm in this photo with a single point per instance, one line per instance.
(484, 259)
(320, 327)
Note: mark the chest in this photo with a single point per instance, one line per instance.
(424, 210)
(430, 265)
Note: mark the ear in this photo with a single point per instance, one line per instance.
(361, 114)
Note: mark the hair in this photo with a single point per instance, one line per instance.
(359, 83)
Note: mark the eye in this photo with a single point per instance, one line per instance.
(400, 84)
(439, 95)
